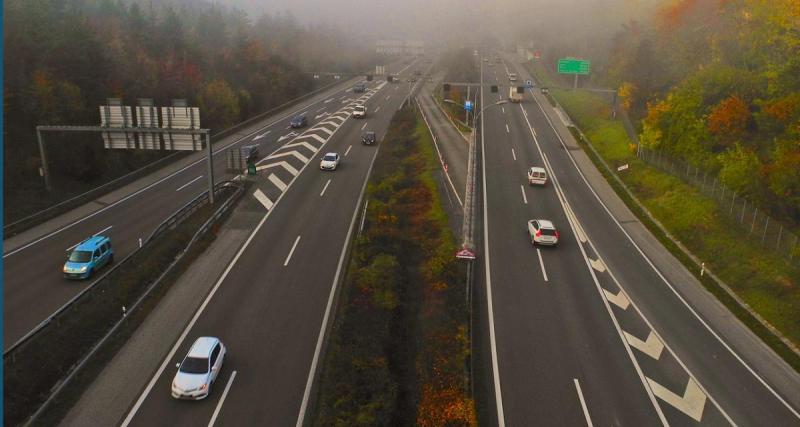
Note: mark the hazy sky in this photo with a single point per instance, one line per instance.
(433, 18)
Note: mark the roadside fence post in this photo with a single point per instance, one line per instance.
(764, 236)
(778, 242)
(733, 202)
(753, 227)
(741, 219)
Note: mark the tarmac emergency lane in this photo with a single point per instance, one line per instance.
(269, 311)
(701, 364)
(34, 287)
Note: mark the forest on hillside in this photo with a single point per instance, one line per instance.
(63, 58)
(714, 82)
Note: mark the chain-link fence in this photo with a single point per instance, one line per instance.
(756, 225)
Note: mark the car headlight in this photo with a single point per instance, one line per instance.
(82, 269)
(66, 269)
(203, 387)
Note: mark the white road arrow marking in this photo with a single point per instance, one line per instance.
(258, 194)
(294, 153)
(302, 144)
(318, 116)
(284, 165)
(652, 347)
(288, 135)
(597, 264)
(262, 135)
(620, 300)
(277, 181)
(692, 403)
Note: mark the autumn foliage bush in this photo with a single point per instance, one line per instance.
(399, 344)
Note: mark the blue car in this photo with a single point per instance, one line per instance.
(299, 122)
(87, 257)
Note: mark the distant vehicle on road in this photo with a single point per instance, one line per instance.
(512, 77)
(359, 112)
(359, 88)
(542, 232)
(537, 175)
(368, 138)
(250, 152)
(199, 369)
(417, 72)
(299, 122)
(87, 257)
(485, 59)
(545, 90)
(329, 162)
(513, 96)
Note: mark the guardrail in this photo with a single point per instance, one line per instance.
(34, 219)
(177, 217)
(173, 220)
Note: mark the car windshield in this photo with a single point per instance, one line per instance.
(194, 365)
(548, 232)
(329, 157)
(360, 108)
(80, 256)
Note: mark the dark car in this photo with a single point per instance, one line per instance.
(368, 138)
(299, 122)
(359, 87)
(417, 72)
(545, 90)
(250, 152)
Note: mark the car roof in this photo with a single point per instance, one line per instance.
(91, 243)
(537, 169)
(544, 223)
(202, 347)
(370, 132)
(330, 154)
(301, 116)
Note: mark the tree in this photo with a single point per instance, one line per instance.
(728, 120)
(741, 170)
(219, 104)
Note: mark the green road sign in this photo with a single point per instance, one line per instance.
(573, 66)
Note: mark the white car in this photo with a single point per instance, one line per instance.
(542, 232)
(512, 77)
(329, 162)
(537, 175)
(359, 112)
(199, 369)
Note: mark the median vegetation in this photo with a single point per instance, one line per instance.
(399, 346)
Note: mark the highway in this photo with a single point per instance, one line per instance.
(33, 284)
(591, 332)
(270, 305)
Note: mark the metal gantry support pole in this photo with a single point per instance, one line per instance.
(210, 167)
(43, 155)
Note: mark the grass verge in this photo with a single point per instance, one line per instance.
(398, 347)
(40, 364)
(764, 280)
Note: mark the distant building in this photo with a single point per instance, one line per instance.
(400, 47)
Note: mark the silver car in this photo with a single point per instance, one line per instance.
(199, 369)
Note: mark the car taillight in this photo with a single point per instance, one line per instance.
(557, 235)
(538, 233)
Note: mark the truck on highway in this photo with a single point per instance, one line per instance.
(513, 95)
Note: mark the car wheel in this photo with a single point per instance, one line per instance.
(89, 273)
(111, 259)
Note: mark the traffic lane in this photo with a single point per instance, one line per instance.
(738, 392)
(287, 301)
(34, 286)
(579, 336)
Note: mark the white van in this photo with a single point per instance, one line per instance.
(513, 96)
(512, 77)
(537, 176)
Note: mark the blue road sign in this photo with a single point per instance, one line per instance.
(529, 84)
(468, 105)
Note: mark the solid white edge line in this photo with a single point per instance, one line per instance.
(188, 183)
(291, 251)
(583, 403)
(563, 202)
(674, 291)
(202, 308)
(143, 189)
(541, 263)
(524, 198)
(315, 360)
(436, 145)
(501, 421)
(325, 188)
(222, 400)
